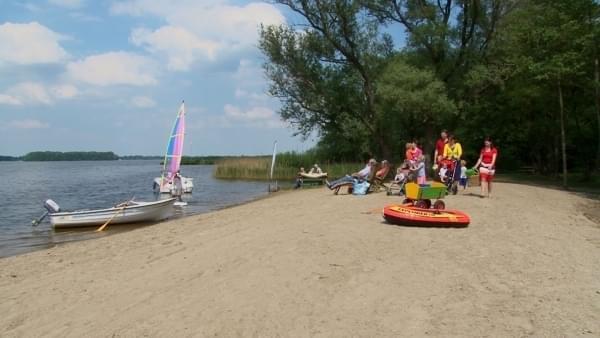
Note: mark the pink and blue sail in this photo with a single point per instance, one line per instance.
(174, 152)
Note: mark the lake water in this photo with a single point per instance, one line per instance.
(92, 185)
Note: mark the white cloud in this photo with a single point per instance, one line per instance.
(27, 124)
(32, 93)
(244, 94)
(143, 102)
(72, 4)
(199, 29)
(252, 114)
(30, 43)
(65, 91)
(180, 46)
(8, 99)
(114, 68)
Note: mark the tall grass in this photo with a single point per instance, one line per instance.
(287, 166)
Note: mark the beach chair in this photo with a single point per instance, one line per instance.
(350, 185)
(377, 181)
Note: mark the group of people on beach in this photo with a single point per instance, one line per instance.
(448, 166)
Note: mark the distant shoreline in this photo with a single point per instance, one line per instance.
(56, 156)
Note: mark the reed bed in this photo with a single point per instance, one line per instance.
(287, 166)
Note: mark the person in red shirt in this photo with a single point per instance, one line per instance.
(487, 166)
(416, 152)
(438, 155)
(408, 154)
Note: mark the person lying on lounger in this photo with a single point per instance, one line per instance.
(361, 175)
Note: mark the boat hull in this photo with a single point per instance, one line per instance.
(187, 184)
(137, 212)
(413, 216)
(314, 176)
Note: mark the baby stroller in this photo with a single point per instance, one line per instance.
(452, 176)
(397, 187)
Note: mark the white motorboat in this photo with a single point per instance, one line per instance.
(129, 212)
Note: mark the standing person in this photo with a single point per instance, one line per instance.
(300, 178)
(408, 154)
(440, 144)
(416, 152)
(419, 169)
(177, 186)
(463, 174)
(487, 166)
(452, 149)
(452, 154)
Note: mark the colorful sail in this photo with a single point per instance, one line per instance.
(174, 147)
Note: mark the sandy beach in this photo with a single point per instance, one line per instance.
(308, 263)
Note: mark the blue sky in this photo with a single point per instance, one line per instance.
(110, 75)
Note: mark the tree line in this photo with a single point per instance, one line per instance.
(102, 156)
(524, 72)
(70, 156)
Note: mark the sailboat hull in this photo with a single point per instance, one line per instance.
(187, 184)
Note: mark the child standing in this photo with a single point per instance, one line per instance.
(408, 154)
(419, 168)
(463, 174)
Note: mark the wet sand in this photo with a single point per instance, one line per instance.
(308, 263)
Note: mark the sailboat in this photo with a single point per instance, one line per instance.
(172, 162)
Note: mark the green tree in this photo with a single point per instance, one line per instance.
(546, 42)
(414, 103)
(325, 75)
(450, 36)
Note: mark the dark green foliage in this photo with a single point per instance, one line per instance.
(9, 158)
(141, 157)
(188, 160)
(70, 156)
(498, 68)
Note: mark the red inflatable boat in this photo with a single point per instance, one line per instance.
(413, 216)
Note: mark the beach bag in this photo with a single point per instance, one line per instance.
(360, 188)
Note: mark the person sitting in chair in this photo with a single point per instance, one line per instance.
(385, 168)
(361, 175)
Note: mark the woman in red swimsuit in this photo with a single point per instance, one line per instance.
(487, 166)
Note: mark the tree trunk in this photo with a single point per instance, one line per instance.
(562, 135)
(597, 85)
(386, 151)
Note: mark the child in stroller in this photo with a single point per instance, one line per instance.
(401, 178)
(449, 174)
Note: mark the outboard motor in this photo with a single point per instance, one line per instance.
(51, 206)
